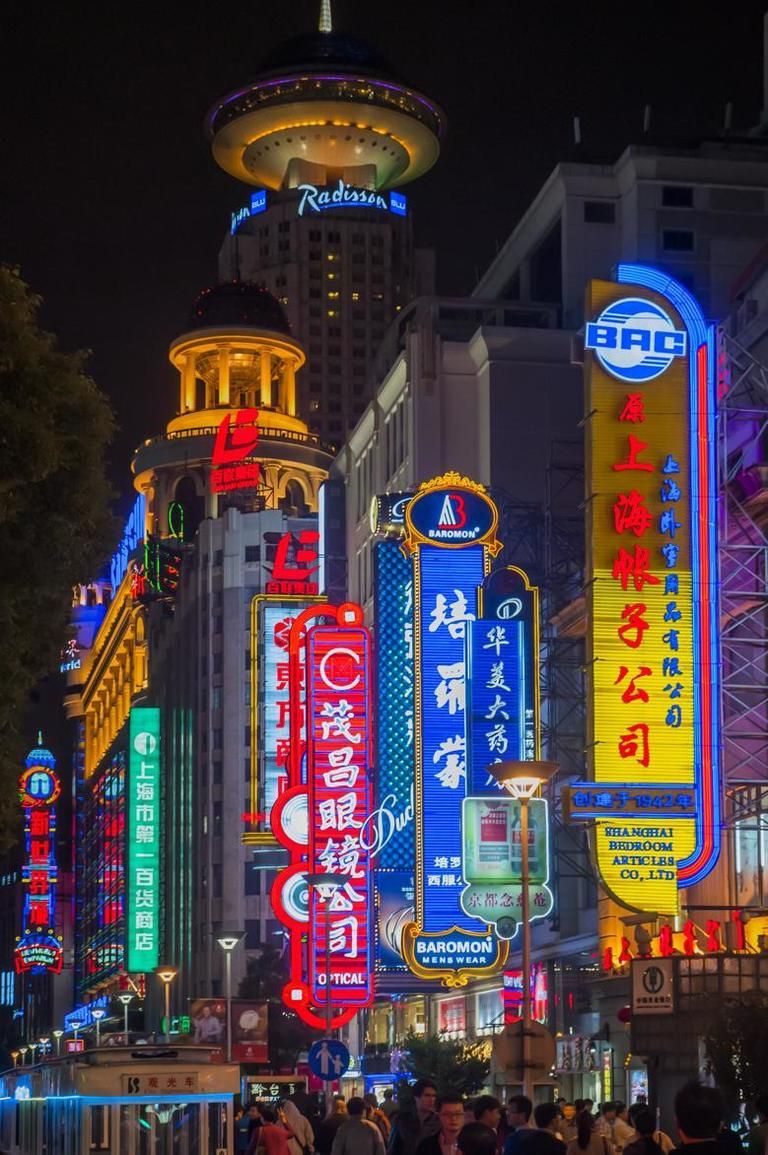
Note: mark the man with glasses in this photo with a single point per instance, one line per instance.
(450, 1112)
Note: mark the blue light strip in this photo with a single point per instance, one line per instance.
(699, 334)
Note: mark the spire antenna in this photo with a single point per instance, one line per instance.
(326, 21)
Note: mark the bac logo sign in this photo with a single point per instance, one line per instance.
(451, 517)
(635, 340)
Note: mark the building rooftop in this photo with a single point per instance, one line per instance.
(238, 303)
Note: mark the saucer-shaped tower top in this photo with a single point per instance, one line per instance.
(237, 303)
(39, 755)
(325, 106)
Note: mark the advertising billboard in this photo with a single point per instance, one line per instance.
(143, 840)
(453, 514)
(653, 668)
(39, 947)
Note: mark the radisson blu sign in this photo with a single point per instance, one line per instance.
(320, 198)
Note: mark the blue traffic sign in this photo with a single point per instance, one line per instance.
(328, 1059)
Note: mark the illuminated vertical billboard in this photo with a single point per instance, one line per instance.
(271, 621)
(39, 947)
(143, 814)
(651, 544)
(451, 536)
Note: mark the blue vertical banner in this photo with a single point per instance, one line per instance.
(450, 534)
(497, 695)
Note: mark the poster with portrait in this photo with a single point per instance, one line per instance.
(209, 1024)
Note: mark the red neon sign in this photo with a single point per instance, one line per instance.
(338, 662)
(236, 440)
(309, 931)
(295, 578)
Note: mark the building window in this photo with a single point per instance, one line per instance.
(251, 879)
(247, 736)
(217, 875)
(217, 818)
(677, 196)
(216, 697)
(216, 739)
(217, 663)
(599, 212)
(253, 553)
(218, 557)
(678, 240)
(252, 934)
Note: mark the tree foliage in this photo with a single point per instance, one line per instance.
(454, 1065)
(55, 524)
(736, 1045)
(288, 1035)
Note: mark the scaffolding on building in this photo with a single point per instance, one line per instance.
(743, 573)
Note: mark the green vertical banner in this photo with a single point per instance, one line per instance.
(143, 899)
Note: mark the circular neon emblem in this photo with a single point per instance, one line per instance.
(38, 786)
(145, 743)
(635, 340)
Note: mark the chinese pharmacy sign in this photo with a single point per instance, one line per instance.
(39, 948)
(143, 812)
(324, 897)
(451, 537)
(653, 611)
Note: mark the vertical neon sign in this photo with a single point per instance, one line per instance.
(340, 800)
(652, 549)
(448, 513)
(143, 797)
(39, 948)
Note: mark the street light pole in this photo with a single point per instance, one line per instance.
(98, 1015)
(57, 1036)
(166, 976)
(522, 780)
(329, 882)
(228, 942)
(125, 999)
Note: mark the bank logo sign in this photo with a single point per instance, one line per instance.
(635, 340)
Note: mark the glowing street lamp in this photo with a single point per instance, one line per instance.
(57, 1036)
(126, 1000)
(98, 1015)
(44, 1044)
(228, 942)
(23, 1053)
(522, 780)
(167, 975)
(15, 1057)
(33, 1048)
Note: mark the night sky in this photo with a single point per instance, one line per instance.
(114, 209)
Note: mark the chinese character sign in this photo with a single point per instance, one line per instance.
(272, 619)
(448, 514)
(340, 801)
(653, 596)
(498, 699)
(143, 811)
(39, 948)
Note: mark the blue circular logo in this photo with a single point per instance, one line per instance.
(635, 340)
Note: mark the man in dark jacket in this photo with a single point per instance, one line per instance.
(450, 1113)
(699, 1113)
(412, 1125)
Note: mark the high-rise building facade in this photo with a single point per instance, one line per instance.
(325, 138)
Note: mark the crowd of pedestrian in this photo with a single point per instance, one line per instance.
(431, 1124)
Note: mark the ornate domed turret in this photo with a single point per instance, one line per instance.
(39, 755)
(239, 303)
(325, 106)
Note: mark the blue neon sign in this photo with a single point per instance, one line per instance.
(321, 198)
(133, 535)
(498, 695)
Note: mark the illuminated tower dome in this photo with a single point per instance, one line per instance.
(236, 354)
(325, 106)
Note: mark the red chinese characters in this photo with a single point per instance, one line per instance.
(340, 800)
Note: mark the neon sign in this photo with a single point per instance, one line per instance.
(651, 540)
(271, 622)
(143, 798)
(311, 830)
(295, 577)
(236, 440)
(70, 657)
(257, 206)
(450, 513)
(340, 800)
(39, 947)
(318, 199)
(133, 534)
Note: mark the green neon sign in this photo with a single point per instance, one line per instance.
(143, 809)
